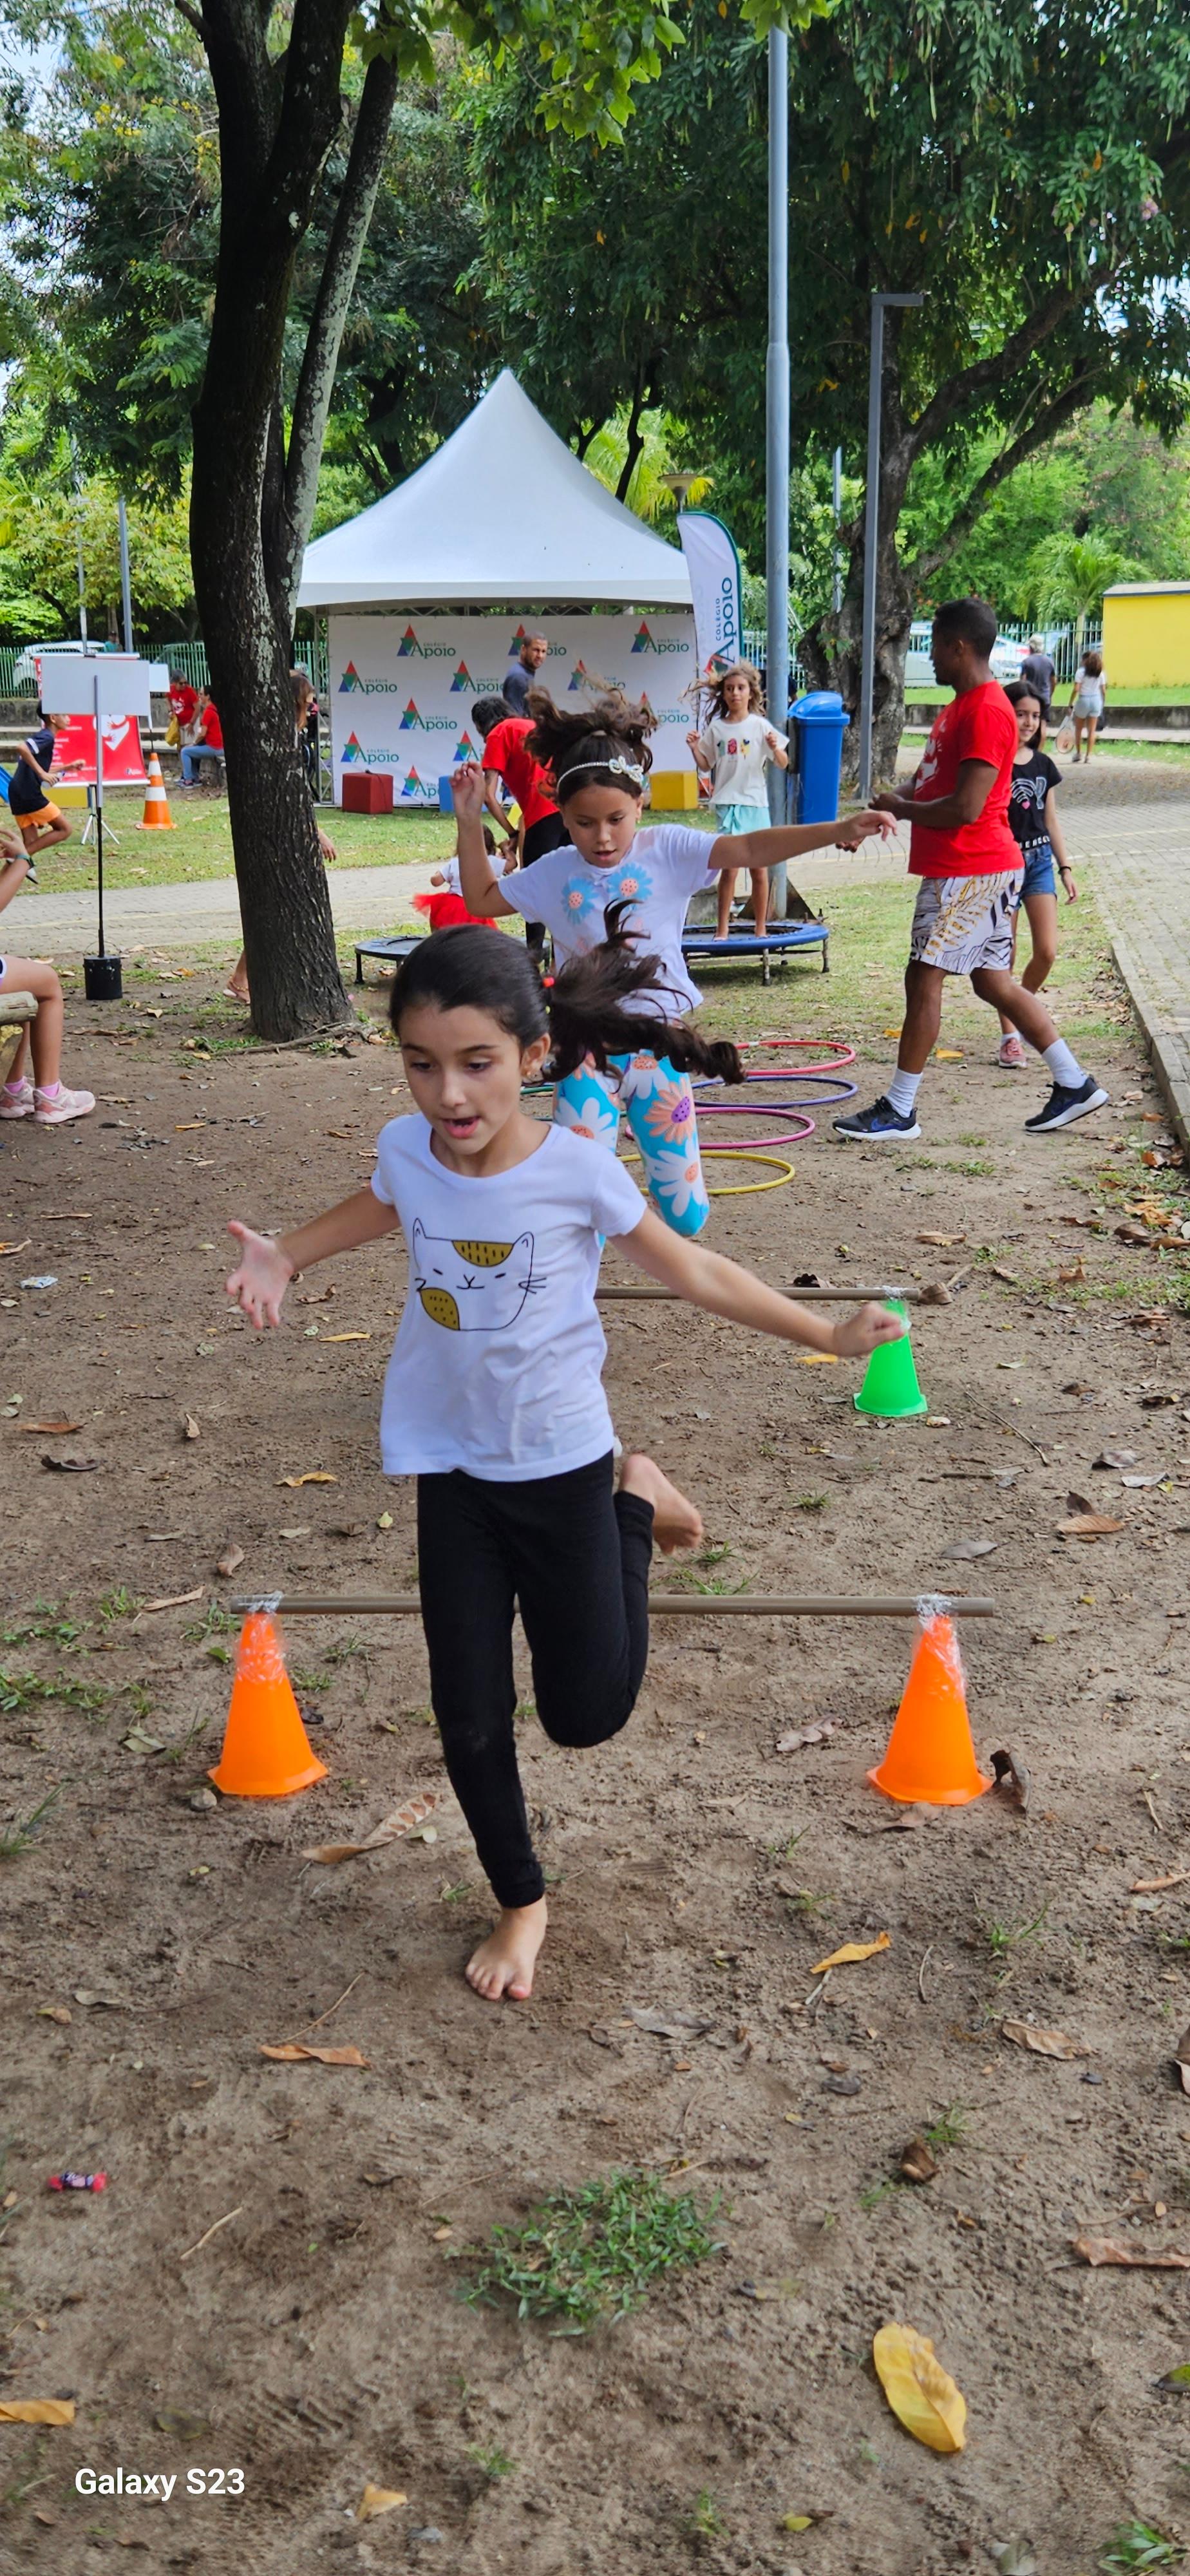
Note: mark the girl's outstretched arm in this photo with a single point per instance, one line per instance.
(477, 880)
(1057, 844)
(724, 1288)
(792, 840)
(269, 1261)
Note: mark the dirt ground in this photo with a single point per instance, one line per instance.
(317, 2340)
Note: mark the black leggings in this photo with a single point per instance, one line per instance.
(548, 833)
(575, 1557)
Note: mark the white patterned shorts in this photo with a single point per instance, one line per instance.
(963, 923)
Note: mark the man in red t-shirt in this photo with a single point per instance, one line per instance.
(208, 738)
(506, 761)
(961, 847)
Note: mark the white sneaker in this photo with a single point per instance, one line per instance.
(17, 1104)
(65, 1104)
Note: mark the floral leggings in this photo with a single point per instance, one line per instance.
(660, 1106)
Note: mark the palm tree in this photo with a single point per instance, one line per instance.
(1070, 575)
(647, 491)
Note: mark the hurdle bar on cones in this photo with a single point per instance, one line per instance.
(675, 1605)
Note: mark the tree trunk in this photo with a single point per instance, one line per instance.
(831, 652)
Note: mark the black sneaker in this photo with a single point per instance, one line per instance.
(879, 1125)
(1064, 1106)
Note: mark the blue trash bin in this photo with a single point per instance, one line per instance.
(819, 725)
(446, 791)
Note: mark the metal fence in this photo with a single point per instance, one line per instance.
(188, 658)
(1059, 641)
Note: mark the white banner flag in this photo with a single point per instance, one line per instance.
(716, 586)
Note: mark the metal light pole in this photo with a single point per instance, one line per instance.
(837, 511)
(776, 556)
(872, 538)
(125, 577)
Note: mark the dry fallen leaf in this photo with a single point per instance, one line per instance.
(1072, 1274)
(946, 1240)
(1044, 2043)
(1154, 1886)
(378, 2500)
(346, 1337)
(804, 1735)
(967, 1549)
(48, 1430)
(232, 1556)
(315, 1476)
(291, 2052)
(69, 1466)
(920, 2392)
(404, 1820)
(190, 1430)
(53, 2012)
(1100, 2250)
(851, 1952)
(668, 2025)
(1089, 1525)
(37, 2410)
(173, 1601)
(917, 2163)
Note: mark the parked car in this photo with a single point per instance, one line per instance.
(1007, 657)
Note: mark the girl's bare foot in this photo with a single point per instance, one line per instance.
(676, 1522)
(235, 993)
(504, 1963)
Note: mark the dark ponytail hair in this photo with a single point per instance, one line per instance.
(580, 745)
(470, 967)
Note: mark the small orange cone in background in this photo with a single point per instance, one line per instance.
(930, 1760)
(156, 816)
(266, 1750)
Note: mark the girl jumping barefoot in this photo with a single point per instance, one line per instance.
(493, 1397)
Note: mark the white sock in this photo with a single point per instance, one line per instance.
(1064, 1066)
(901, 1092)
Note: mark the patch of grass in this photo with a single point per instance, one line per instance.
(704, 2520)
(874, 2192)
(215, 1622)
(21, 1835)
(48, 1625)
(25, 2476)
(811, 1502)
(184, 1746)
(494, 2462)
(119, 1604)
(583, 2257)
(1139, 2544)
(949, 2131)
(454, 1895)
(1003, 1938)
(306, 1678)
(21, 1691)
(804, 1901)
(970, 1171)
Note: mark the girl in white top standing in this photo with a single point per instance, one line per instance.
(494, 1398)
(1088, 698)
(734, 749)
(599, 757)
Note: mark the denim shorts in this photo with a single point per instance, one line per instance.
(1039, 871)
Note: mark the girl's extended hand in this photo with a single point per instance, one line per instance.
(858, 827)
(1069, 888)
(693, 739)
(467, 790)
(263, 1275)
(862, 1332)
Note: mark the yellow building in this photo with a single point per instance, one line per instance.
(1146, 636)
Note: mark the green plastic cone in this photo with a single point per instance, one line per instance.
(890, 1387)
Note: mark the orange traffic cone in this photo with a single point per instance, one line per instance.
(156, 816)
(266, 1750)
(931, 1759)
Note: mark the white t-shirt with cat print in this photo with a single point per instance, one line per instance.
(497, 1364)
(667, 863)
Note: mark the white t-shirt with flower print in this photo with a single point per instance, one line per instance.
(666, 865)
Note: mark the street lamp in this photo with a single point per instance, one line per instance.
(872, 537)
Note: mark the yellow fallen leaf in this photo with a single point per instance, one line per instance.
(347, 1337)
(377, 2500)
(316, 1476)
(948, 1055)
(851, 1951)
(291, 2052)
(37, 2410)
(819, 1359)
(921, 2393)
(890, 1033)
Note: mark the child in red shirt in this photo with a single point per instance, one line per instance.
(505, 758)
(962, 848)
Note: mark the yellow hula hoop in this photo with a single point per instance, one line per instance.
(739, 1189)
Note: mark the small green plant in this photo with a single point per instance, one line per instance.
(949, 2131)
(1139, 2544)
(1003, 1938)
(494, 2462)
(21, 1691)
(20, 1836)
(184, 1746)
(970, 1171)
(120, 1604)
(306, 1678)
(25, 2476)
(454, 1895)
(812, 1503)
(704, 2520)
(216, 1622)
(588, 2255)
(786, 1850)
(804, 1900)
(874, 2192)
(45, 1623)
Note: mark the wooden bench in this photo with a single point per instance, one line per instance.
(16, 1011)
(780, 944)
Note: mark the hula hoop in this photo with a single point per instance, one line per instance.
(843, 1054)
(757, 1109)
(820, 1098)
(740, 1189)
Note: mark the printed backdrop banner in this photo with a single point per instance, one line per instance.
(402, 688)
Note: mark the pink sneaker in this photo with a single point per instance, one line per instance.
(1012, 1053)
(65, 1104)
(17, 1104)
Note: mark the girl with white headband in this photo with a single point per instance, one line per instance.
(600, 757)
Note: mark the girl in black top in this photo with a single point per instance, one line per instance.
(1033, 819)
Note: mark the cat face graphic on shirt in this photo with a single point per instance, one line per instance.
(471, 1287)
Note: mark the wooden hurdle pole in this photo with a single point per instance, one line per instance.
(803, 1296)
(665, 1605)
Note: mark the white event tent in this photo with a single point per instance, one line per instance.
(502, 513)
(426, 593)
